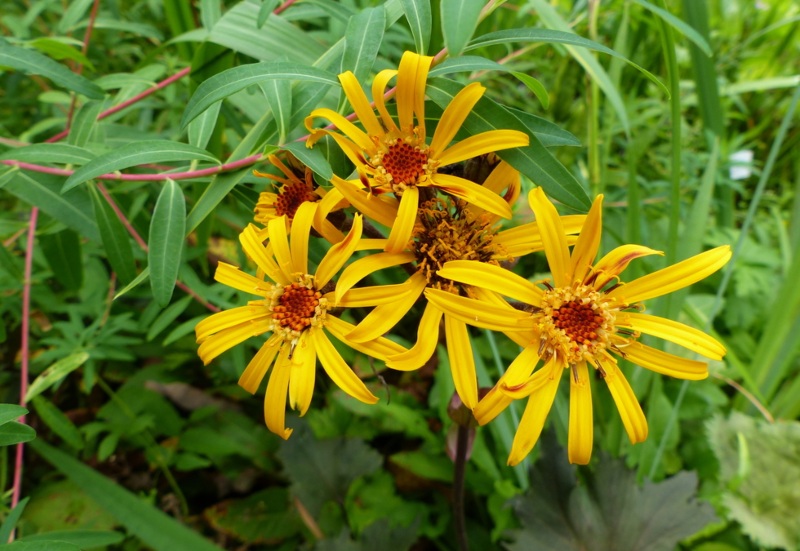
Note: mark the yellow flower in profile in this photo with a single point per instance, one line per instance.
(394, 157)
(294, 307)
(448, 230)
(296, 187)
(582, 320)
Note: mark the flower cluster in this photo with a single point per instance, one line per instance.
(437, 208)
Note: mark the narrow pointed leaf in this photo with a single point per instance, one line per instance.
(38, 64)
(116, 240)
(167, 230)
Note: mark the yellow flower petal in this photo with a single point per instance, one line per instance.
(366, 297)
(301, 381)
(279, 241)
(472, 193)
(216, 344)
(495, 401)
(378, 91)
(230, 275)
(553, 236)
(522, 339)
(526, 239)
(581, 426)
(523, 389)
(494, 278)
(338, 254)
(504, 180)
(673, 331)
(665, 363)
(485, 142)
(673, 277)
(423, 349)
(275, 398)
(412, 76)
(358, 99)
(532, 422)
(381, 208)
(379, 348)
(629, 409)
(404, 223)
(339, 372)
(612, 264)
(384, 317)
(462, 362)
(453, 117)
(361, 268)
(230, 318)
(479, 313)
(374, 244)
(588, 242)
(330, 201)
(301, 228)
(257, 252)
(253, 374)
(345, 126)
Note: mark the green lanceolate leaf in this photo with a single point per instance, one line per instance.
(418, 14)
(167, 230)
(201, 128)
(83, 123)
(11, 520)
(15, 432)
(459, 19)
(362, 40)
(534, 86)
(115, 238)
(63, 252)
(50, 153)
(154, 528)
(137, 153)
(233, 80)
(59, 423)
(535, 161)
(679, 25)
(83, 539)
(312, 158)
(55, 373)
(10, 412)
(39, 64)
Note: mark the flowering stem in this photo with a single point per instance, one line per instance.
(458, 487)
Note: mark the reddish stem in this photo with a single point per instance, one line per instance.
(79, 69)
(283, 6)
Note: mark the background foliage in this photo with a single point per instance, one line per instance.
(138, 445)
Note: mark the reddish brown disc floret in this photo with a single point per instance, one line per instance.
(404, 162)
(296, 307)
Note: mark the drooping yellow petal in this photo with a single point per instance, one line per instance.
(412, 76)
(526, 239)
(384, 317)
(331, 200)
(630, 411)
(532, 422)
(371, 244)
(673, 331)
(612, 264)
(226, 339)
(504, 180)
(230, 275)
(358, 99)
(588, 242)
(338, 254)
(257, 252)
(453, 117)
(339, 372)
(485, 142)
(479, 313)
(472, 193)
(538, 380)
(673, 277)
(423, 349)
(381, 208)
(581, 425)
(378, 91)
(361, 268)
(275, 398)
(365, 297)
(491, 405)
(380, 348)
(665, 363)
(553, 236)
(352, 150)
(230, 318)
(253, 374)
(345, 126)
(494, 278)
(403, 225)
(301, 228)
(462, 362)
(301, 381)
(279, 241)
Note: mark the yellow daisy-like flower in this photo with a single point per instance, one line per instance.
(582, 320)
(447, 231)
(294, 307)
(296, 187)
(395, 157)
